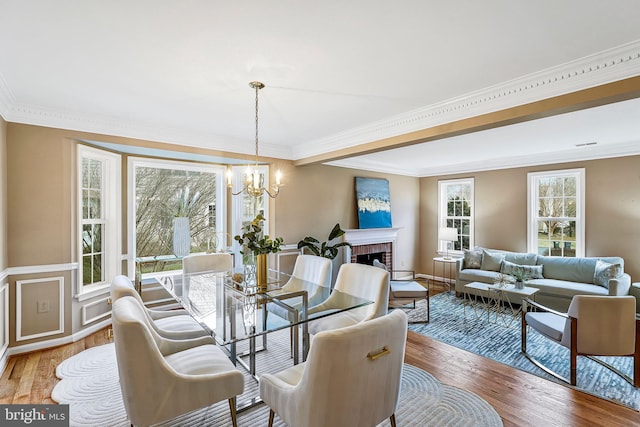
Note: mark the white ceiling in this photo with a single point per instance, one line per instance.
(338, 74)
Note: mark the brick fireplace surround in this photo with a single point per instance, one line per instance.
(371, 241)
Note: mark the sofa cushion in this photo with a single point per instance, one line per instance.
(532, 271)
(521, 258)
(472, 259)
(579, 270)
(475, 275)
(605, 271)
(491, 261)
(407, 289)
(566, 288)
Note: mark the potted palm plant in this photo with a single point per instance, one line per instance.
(324, 249)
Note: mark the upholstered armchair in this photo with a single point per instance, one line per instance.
(175, 324)
(162, 378)
(350, 379)
(403, 289)
(360, 280)
(593, 326)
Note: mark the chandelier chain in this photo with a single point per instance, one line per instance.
(257, 89)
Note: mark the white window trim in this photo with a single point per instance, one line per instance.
(442, 208)
(134, 162)
(112, 206)
(532, 197)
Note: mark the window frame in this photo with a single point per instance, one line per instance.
(533, 179)
(133, 162)
(111, 211)
(443, 215)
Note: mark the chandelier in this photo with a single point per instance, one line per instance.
(252, 185)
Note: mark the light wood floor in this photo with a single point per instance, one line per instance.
(520, 398)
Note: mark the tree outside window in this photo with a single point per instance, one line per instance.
(455, 210)
(556, 227)
(159, 191)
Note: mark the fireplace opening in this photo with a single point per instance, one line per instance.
(368, 258)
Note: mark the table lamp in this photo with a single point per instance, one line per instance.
(448, 234)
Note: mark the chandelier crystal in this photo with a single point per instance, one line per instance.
(252, 185)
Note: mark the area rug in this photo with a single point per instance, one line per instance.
(89, 384)
(472, 332)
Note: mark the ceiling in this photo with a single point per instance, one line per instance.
(338, 75)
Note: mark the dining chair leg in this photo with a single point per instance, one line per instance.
(271, 414)
(232, 409)
(392, 418)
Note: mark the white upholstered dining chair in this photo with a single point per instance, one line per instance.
(350, 379)
(308, 269)
(593, 326)
(360, 280)
(162, 378)
(175, 324)
(216, 262)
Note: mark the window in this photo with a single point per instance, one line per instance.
(556, 219)
(160, 190)
(455, 210)
(99, 210)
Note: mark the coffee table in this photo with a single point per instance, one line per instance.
(502, 302)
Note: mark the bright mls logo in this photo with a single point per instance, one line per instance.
(34, 415)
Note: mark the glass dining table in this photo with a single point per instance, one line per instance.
(234, 311)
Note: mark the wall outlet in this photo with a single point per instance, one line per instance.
(43, 306)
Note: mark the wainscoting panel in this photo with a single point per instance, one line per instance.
(95, 310)
(4, 317)
(39, 307)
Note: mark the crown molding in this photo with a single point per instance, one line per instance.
(594, 70)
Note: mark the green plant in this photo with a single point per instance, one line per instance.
(252, 238)
(184, 205)
(520, 275)
(324, 249)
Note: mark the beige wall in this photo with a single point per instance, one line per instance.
(612, 209)
(316, 197)
(3, 194)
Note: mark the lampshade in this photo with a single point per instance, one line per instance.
(448, 234)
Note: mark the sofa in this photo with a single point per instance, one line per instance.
(558, 278)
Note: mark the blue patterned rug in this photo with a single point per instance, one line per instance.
(502, 343)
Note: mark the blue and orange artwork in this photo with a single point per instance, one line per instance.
(374, 203)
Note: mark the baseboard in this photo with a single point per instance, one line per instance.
(41, 345)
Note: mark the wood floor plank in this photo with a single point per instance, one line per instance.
(24, 390)
(521, 399)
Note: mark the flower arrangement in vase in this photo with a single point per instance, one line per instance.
(255, 242)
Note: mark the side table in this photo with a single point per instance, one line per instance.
(446, 264)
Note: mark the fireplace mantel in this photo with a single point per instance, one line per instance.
(365, 236)
(369, 236)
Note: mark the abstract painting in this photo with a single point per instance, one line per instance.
(374, 204)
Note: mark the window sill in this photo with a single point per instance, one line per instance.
(92, 292)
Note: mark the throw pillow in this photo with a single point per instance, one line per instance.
(605, 271)
(491, 261)
(531, 271)
(472, 259)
